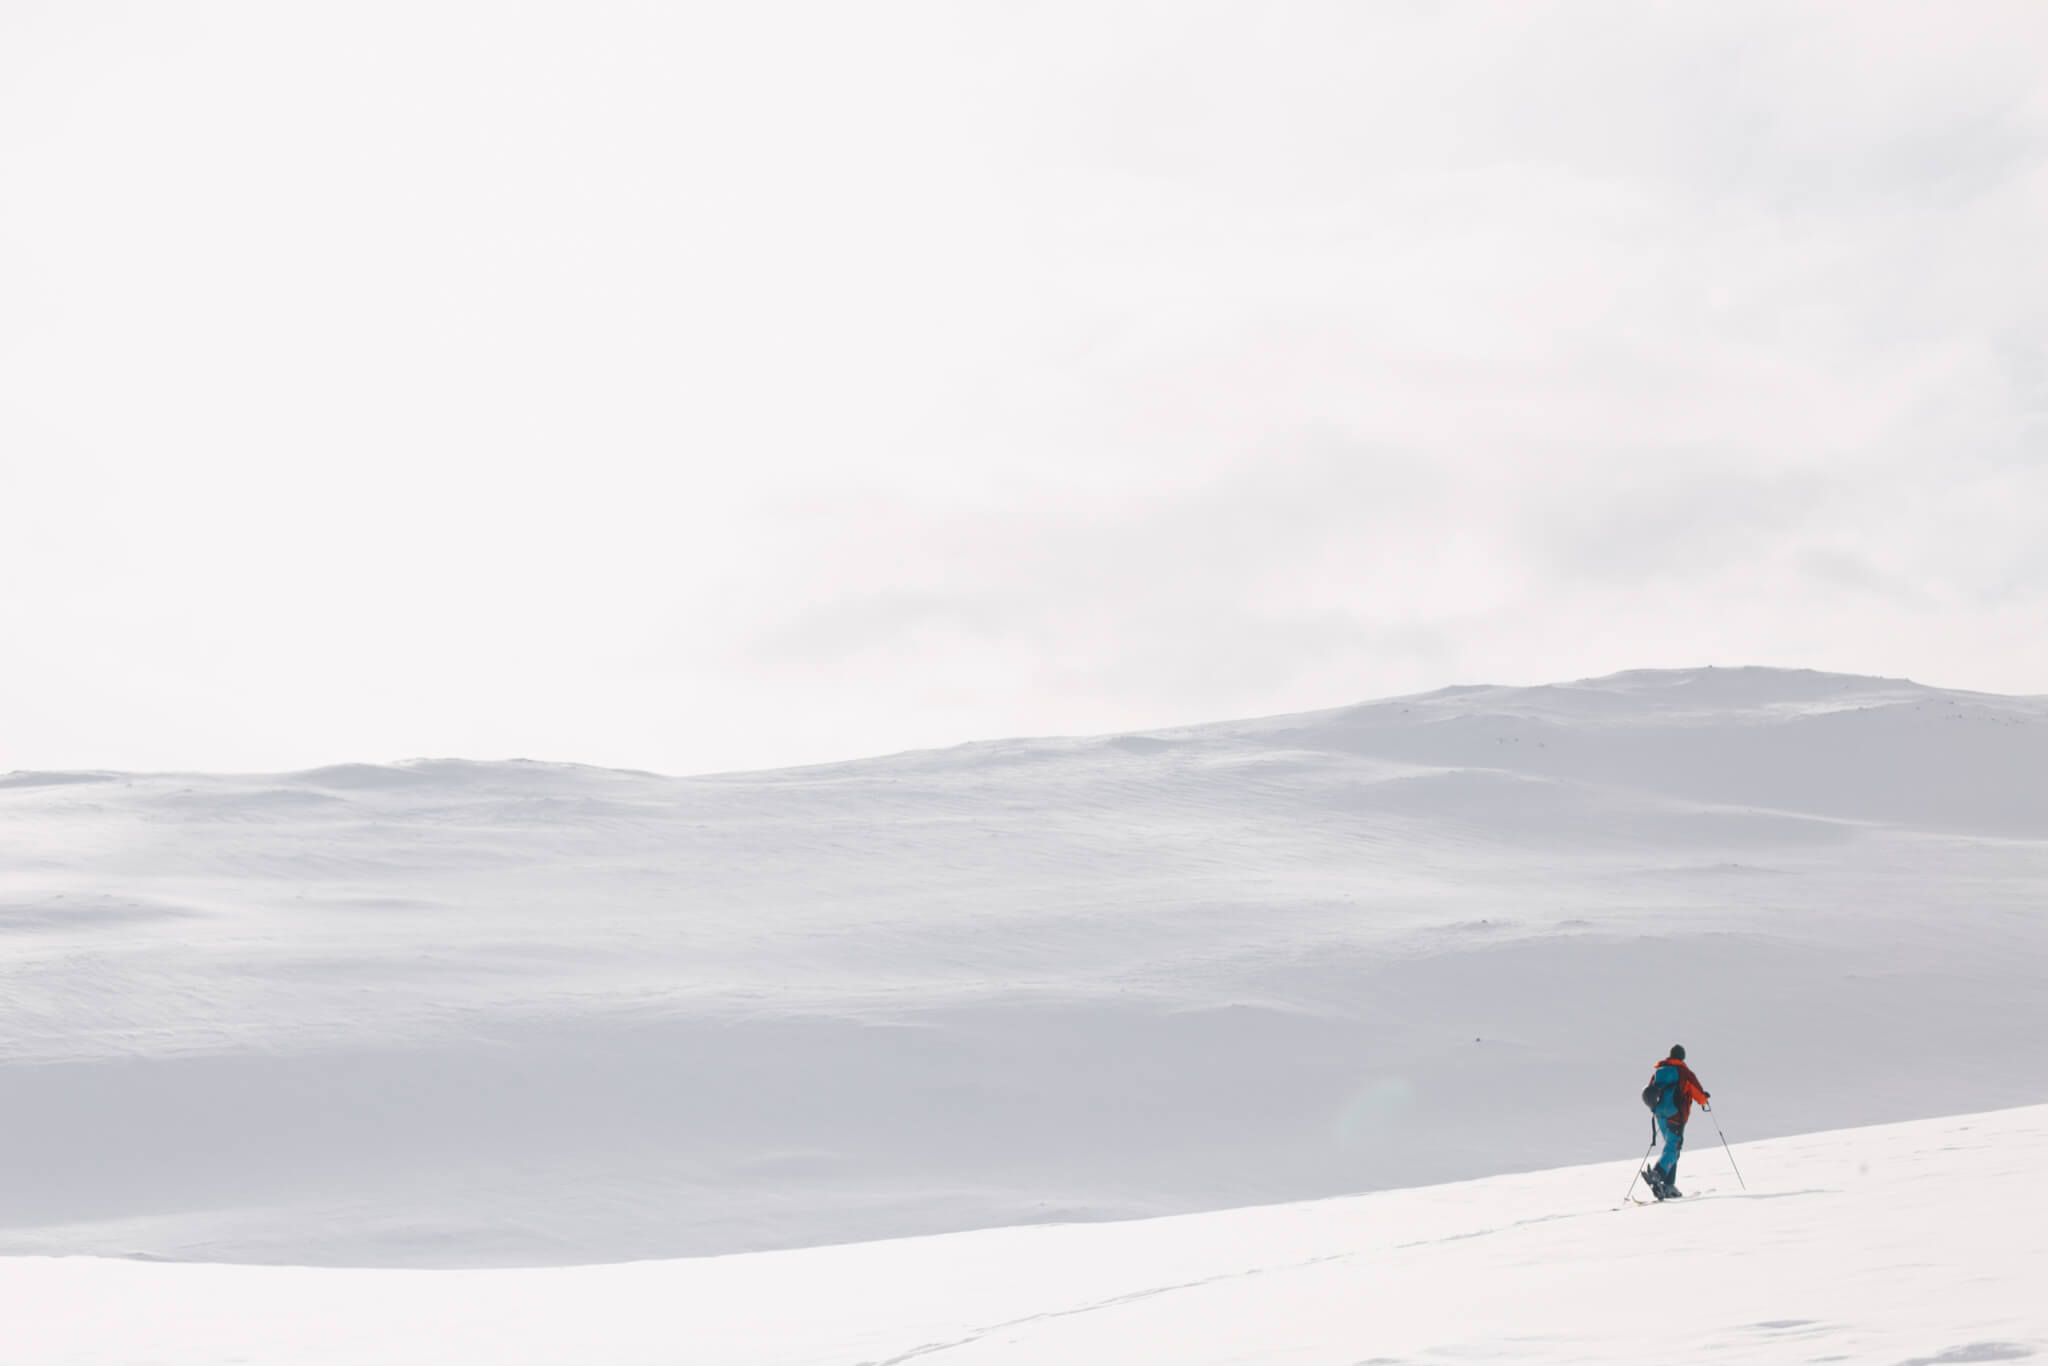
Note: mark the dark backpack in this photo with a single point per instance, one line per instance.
(1657, 1095)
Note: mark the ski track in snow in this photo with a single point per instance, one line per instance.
(454, 1014)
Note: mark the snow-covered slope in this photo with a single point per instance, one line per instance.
(447, 1013)
(1911, 1245)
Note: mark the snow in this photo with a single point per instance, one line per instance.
(448, 1014)
(1910, 1245)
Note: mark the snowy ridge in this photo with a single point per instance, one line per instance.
(453, 1013)
(1912, 1245)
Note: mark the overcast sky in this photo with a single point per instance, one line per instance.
(698, 386)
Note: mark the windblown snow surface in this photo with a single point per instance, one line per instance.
(1915, 1245)
(452, 1014)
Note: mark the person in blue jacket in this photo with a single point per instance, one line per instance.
(1678, 1088)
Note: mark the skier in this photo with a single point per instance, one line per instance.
(1672, 1090)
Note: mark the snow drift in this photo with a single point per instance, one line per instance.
(463, 1014)
(1915, 1245)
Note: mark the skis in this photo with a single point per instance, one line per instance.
(1656, 1199)
(1663, 1187)
(1660, 1187)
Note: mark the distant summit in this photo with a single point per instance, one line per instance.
(1706, 690)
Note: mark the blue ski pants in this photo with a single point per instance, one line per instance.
(1673, 1134)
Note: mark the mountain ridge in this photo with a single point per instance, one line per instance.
(1623, 685)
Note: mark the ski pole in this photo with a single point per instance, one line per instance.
(1637, 1174)
(1724, 1146)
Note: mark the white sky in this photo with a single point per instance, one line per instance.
(723, 385)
